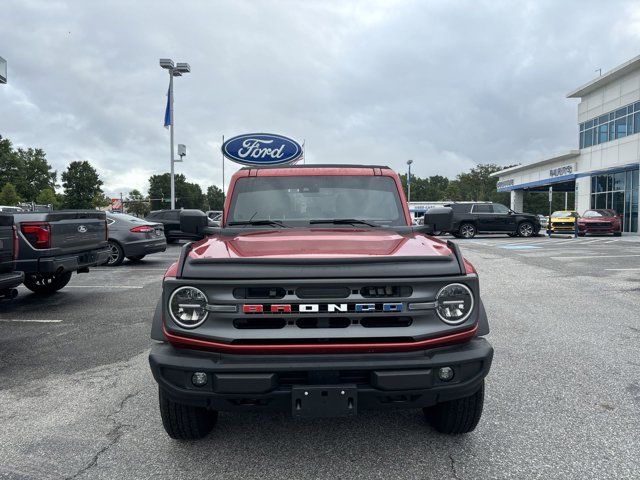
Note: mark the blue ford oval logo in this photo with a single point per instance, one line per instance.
(255, 149)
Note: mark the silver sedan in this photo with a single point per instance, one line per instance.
(133, 238)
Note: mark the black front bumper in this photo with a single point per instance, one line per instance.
(266, 382)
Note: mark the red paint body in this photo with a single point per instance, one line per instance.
(317, 242)
(605, 224)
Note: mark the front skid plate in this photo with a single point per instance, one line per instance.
(324, 401)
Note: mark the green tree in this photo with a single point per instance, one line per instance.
(9, 196)
(82, 186)
(215, 198)
(35, 173)
(9, 163)
(137, 204)
(188, 195)
(48, 197)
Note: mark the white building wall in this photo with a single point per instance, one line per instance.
(583, 194)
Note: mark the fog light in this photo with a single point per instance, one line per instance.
(445, 373)
(199, 379)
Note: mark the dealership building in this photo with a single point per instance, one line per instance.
(603, 171)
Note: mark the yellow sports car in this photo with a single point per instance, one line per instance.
(564, 221)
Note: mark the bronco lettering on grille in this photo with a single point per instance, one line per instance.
(322, 308)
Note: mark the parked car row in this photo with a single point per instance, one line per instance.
(598, 221)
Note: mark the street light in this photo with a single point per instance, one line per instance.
(409, 162)
(174, 71)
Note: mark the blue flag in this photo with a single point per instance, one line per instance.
(167, 112)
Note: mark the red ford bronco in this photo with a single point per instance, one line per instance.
(317, 296)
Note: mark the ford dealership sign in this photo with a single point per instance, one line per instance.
(256, 149)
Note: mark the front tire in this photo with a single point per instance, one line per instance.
(525, 229)
(467, 230)
(116, 254)
(44, 285)
(457, 416)
(185, 422)
(617, 234)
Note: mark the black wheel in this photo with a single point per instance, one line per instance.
(135, 259)
(457, 416)
(525, 229)
(512, 234)
(617, 234)
(42, 284)
(581, 234)
(185, 422)
(467, 230)
(116, 254)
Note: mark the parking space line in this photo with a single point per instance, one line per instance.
(22, 320)
(104, 286)
(621, 269)
(594, 256)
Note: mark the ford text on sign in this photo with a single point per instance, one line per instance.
(256, 149)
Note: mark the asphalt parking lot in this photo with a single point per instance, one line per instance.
(563, 397)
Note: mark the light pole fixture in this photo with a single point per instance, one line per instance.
(176, 70)
(409, 162)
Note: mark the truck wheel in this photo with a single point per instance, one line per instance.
(457, 416)
(467, 230)
(116, 254)
(525, 229)
(40, 284)
(185, 422)
(135, 259)
(617, 234)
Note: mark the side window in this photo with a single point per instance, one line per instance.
(460, 207)
(482, 208)
(174, 215)
(499, 208)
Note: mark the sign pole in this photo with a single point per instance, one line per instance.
(223, 169)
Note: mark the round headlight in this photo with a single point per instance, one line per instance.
(454, 303)
(187, 306)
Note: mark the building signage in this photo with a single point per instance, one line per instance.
(505, 183)
(561, 171)
(258, 149)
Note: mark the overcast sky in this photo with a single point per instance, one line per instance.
(448, 84)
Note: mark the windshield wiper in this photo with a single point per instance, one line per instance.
(275, 223)
(344, 221)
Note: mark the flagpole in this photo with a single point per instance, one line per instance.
(222, 168)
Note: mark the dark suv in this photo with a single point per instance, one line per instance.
(171, 221)
(470, 218)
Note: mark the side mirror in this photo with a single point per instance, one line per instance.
(439, 219)
(194, 222)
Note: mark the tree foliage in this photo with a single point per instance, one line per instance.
(82, 186)
(477, 184)
(215, 198)
(48, 197)
(27, 169)
(9, 196)
(137, 204)
(188, 195)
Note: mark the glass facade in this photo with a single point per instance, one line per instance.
(618, 191)
(617, 124)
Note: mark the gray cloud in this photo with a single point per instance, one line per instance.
(447, 84)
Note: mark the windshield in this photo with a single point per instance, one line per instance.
(301, 200)
(598, 213)
(562, 214)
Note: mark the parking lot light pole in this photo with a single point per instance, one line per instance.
(174, 71)
(409, 162)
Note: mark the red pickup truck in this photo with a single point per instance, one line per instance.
(318, 297)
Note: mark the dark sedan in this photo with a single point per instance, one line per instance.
(599, 221)
(133, 238)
